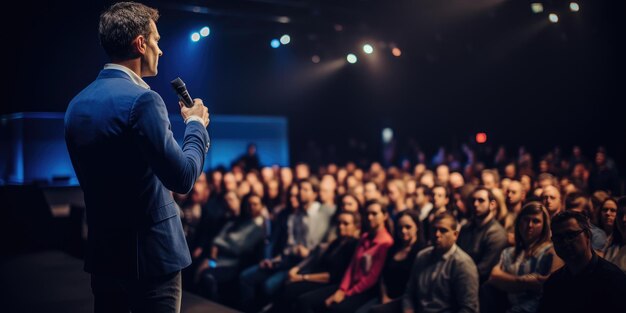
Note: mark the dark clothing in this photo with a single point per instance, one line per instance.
(334, 260)
(119, 139)
(396, 273)
(148, 295)
(600, 287)
(484, 244)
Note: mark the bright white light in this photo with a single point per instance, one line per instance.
(368, 49)
(553, 18)
(315, 59)
(205, 31)
(574, 7)
(387, 135)
(285, 39)
(195, 37)
(351, 58)
(536, 7)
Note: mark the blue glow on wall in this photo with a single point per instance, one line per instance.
(32, 145)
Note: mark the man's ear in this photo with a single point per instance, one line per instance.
(139, 44)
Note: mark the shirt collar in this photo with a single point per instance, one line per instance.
(133, 76)
(314, 209)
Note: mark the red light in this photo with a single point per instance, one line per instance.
(481, 137)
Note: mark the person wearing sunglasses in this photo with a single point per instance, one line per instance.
(587, 282)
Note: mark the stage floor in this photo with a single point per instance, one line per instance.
(53, 281)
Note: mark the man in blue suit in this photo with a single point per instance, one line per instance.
(127, 162)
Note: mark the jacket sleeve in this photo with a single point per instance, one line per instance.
(176, 168)
(379, 255)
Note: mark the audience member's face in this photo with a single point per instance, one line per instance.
(272, 189)
(428, 180)
(243, 189)
(444, 235)
(420, 197)
(551, 199)
(267, 174)
(302, 171)
(526, 183)
(286, 176)
(408, 229)
(230, 183)
(375, 216)
(489, 181)
(509, 171)
(440, 198)
(394, 193)
(419, 170)
(371, 192)
(293, 196)
(217, 177)
(608, 212)
(514, 194)
(600, 158)
(531, 226)
(482, 205)
(232, 202)
(349, 204)
(570, 242)
(256, 207)
(410, 186)
(443, 174)
(327, 191)
(347, 228)
(252, 178)
(456, 180)
(307, 195)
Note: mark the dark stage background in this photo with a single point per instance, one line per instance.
(466, 66)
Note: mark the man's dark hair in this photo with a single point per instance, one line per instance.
(446, 216)
(570, 201)
(427, 191)
(565, 216)
(312, 181)
(120, 24)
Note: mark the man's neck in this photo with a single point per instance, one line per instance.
(576, 266)
(132, 64)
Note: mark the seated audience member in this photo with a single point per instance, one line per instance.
(615, 252)
(357, 285)
(443, 278)
(524, 268)
(515, 197)
(323, 267)
(483, 238)
(577, 202)
(408, 241)
(606, 216)
(551, 197)
(423, 201)
(239, 243)
(306, 229)
(587, 282)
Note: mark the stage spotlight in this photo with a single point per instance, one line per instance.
(481, 138)
(275, 43)
(574, 7)
(536, 7)
(205, 31)
(553, 18)
(396, 52)
(285, 39)
(195, 37)
(315, 59)
(387, 135)
(368, 49)
(351, 58)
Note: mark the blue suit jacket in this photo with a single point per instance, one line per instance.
(126, 159)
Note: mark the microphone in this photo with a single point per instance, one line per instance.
(181, 91)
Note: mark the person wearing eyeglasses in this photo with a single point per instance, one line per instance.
(587, 282)
(483, 238)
